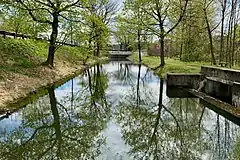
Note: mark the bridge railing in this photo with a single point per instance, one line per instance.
(13, 34)
(24, 36)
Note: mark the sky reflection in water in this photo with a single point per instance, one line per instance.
(117, 111)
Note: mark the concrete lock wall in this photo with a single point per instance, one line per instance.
(216, 88)
(176, 92)
(223, 84)
(227, 74)
(184, 80)
(236, 94)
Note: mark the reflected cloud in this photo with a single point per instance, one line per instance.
(117, 111)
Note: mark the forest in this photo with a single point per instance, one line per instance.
(199, 30)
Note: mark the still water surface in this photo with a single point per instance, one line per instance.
(117, 111)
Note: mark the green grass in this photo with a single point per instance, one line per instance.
(72, 54)
(174, 65)
(171, 66)
(22, 52)
(19, 56)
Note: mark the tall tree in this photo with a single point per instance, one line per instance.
(206, 5)
(193, 35)
(48, 12)
(223, 10)
(231, 33)
(125, 33)
(130, 20)
(99, 15)
(160, 11)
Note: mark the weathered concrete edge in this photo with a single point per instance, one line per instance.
(221, 68)
(20, 102)
(224, 108)
(189, 80)
(183, 74)
(236, 94)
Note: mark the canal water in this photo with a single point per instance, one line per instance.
(117, 111)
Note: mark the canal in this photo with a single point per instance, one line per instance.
(117, 111)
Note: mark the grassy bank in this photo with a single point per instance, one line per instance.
(21, 72)
(172, 65)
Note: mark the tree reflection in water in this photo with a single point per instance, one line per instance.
(53, 128)
(158, 128)
(71, 123)
(124, 74)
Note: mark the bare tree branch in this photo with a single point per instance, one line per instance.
(68, 6)
(30, 11)
(180, 18)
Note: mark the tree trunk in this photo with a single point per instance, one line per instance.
(182, 33)
(56, 117)
(227, 46)
(158, 117)
(90, 86)
(139, 36)
(162, 61)
(162, 37)
(98, 49)
(72, 99)
(139, 46)
(222, 30)
(210, 37)
(233, 45)
(53, 39)
(229, 38)
(138, 85)
(234, 31)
